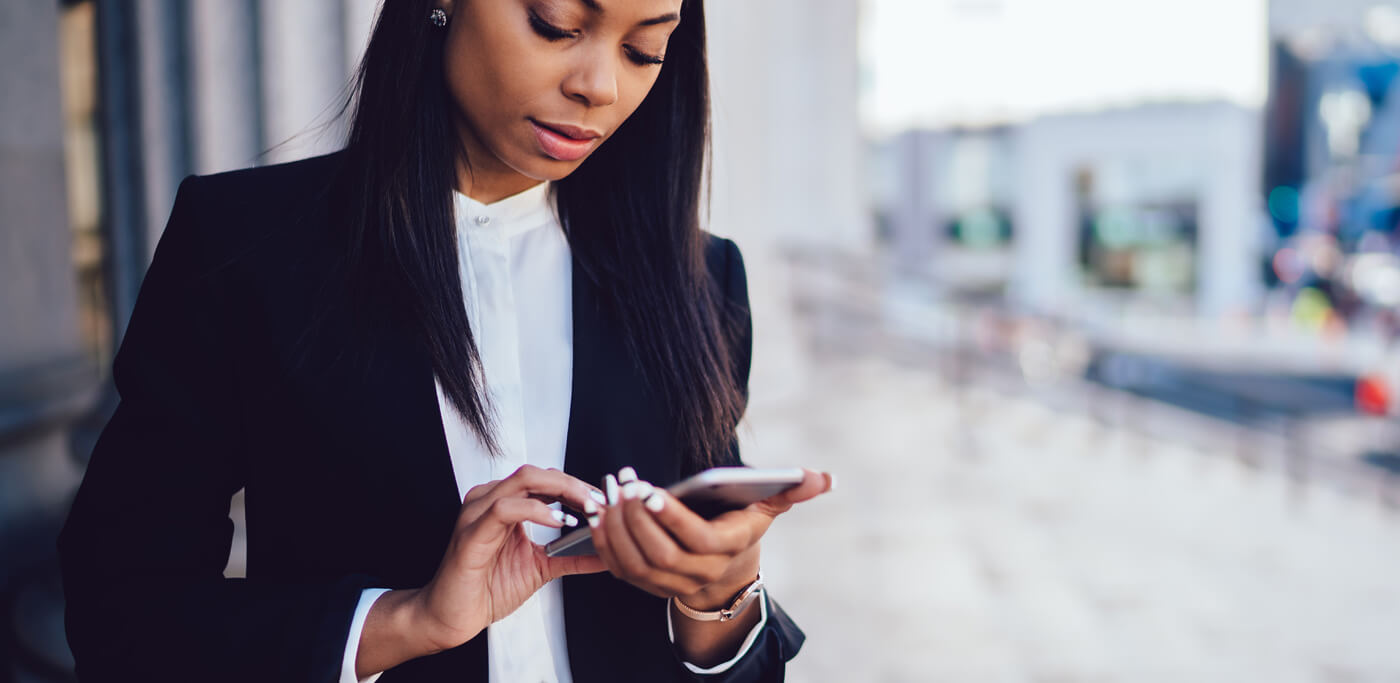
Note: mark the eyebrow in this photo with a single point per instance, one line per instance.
(663, 19)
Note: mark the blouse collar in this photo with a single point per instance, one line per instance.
(510, 216)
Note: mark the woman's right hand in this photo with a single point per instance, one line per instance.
(491, 566)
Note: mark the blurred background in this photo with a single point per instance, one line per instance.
(1092, 305)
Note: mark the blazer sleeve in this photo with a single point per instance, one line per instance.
(144, 546)
(780, 638)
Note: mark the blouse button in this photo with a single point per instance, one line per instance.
(483, 220)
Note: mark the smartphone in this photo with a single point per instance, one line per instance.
(710, 494)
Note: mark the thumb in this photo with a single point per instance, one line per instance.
(576, 564)
(813, 484)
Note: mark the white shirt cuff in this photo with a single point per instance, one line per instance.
(352, 643)
(743, 649)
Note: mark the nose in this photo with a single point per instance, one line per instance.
(593, 81)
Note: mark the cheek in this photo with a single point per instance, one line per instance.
(490, 75)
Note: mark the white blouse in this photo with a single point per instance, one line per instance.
(516, 272)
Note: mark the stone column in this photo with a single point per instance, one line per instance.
(788, 160)
(45, 378)
(1044, 216)
(304, 73)
(359, 21)
(164, 98)
(915, 215)
(39, 340)
(225, 84)
(1232, 218)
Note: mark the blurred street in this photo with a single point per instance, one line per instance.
(989, 533)
(1092, 306)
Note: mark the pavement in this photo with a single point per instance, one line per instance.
(986, 531)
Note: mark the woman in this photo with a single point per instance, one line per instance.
(405, 350)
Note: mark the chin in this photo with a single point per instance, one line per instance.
(545, 168)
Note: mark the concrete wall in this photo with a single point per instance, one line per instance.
(788, 154)
(42, 379)
(1290, 17)
(38, 313)
(1221, 140)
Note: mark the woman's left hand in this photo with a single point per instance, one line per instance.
(655, 542)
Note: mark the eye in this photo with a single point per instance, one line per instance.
(643, 58)
(547, 30)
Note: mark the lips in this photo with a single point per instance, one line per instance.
(564, 142)
(568, 131)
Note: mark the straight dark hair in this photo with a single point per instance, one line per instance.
(631, 214)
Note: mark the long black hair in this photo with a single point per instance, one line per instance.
(631, 213)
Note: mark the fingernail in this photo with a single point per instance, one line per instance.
(831, 482)
(645, 489)
(593, 521)
(598, 496)
(589, 506)
(558, 515)
(656, 501)
(626, 474)
(570, 520)
(610, 484)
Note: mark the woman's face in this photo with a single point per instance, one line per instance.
(540, 84)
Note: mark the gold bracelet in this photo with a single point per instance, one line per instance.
(735, 608)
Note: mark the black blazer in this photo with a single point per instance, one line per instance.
(348, 479)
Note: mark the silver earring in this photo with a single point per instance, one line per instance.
(438, 17)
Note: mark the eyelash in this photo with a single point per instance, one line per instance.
(553, 33)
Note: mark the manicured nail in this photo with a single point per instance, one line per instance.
(626, 474)
(610, 484)
(598, 496)
(570, 520)
(558, 515)
(593, 521)
(590, 507)
(831, 482)
(656, 501)
(645, 489)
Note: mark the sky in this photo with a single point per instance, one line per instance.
(978, 62)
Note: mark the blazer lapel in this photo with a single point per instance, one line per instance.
(378, 403)
(585, 456)
(614, 419)
(395, 411)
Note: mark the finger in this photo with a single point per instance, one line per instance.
(755, 519)
(482, 490)
(697, 534)
(505, 513)
(577, 564)
(549, 485)
(610, 484)
(479, 491)
(602, 542)
(664, 554)
(813, 484)
(593, 492)
(597, 494)
(638, 570)
(627, 555)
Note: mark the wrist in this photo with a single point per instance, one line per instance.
(719, 594)
(395, 631)
(427, 626)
